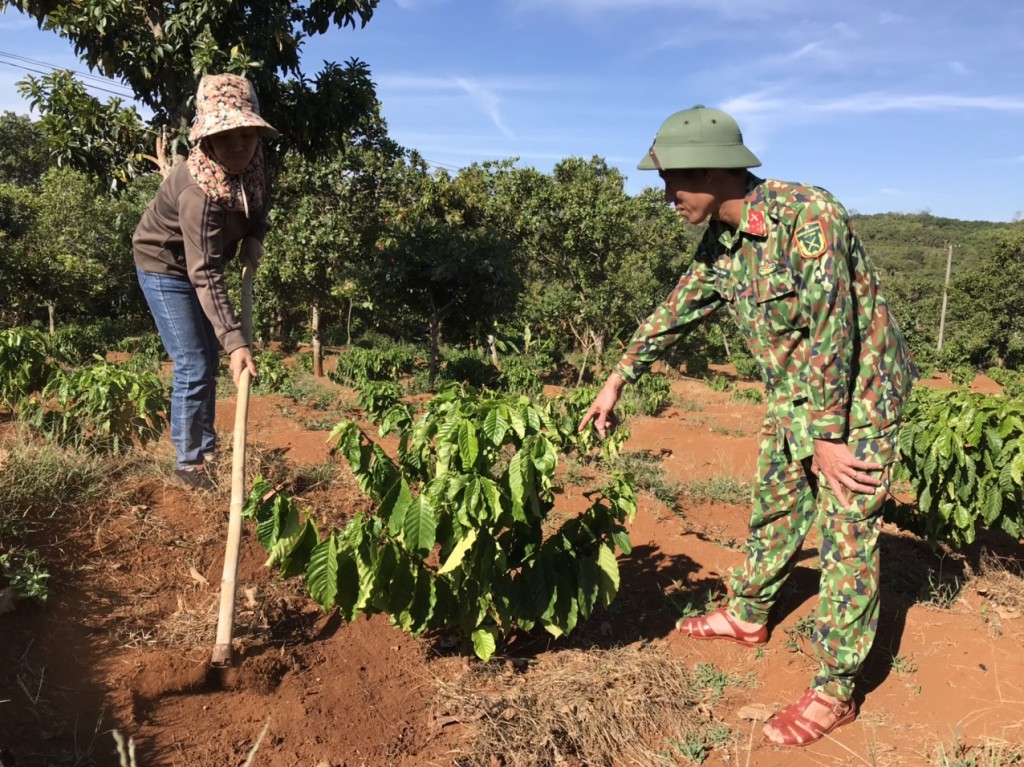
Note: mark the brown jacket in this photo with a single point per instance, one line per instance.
(184, 233)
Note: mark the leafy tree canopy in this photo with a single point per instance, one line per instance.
(160, 50)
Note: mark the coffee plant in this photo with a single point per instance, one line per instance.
(357, 365)
(273, 376)
(963, 454)
(462, 539)
(104, 406)
(25, 365)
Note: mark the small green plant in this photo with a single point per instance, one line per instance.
(962, 376)
(903, 665)
(357, 365)
(753, 396)
(718, 735)
(304, 362)
(647, 396)
(693, 748)
(568, 410)
(105, 406)
(458, 539)
(24, 571)
(719, 383)
(802, 629)
(746, 366)
(273, 376)
(25, 364)
(648, 475)
(378, 397)
(941, 593)
(714, 680)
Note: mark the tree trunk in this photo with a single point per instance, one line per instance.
(318, 361)
(493, 346)
(435, 349)
(51, 310)
(598, 339)
(348, 323)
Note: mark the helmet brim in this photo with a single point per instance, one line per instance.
(691, 157)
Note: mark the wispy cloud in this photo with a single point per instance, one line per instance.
(730, 9)
(412, 5)
(762, 103)
(959, 68)
(442, 83)
(487, 101)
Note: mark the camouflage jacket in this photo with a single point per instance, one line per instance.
(796, 280)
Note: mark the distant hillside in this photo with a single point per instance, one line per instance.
(914, 244)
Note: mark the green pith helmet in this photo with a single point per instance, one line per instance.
(698, 138)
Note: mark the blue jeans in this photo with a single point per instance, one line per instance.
(191, 344)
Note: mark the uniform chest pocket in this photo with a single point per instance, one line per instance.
(777, 302)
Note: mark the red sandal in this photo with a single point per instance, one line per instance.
(798, 730)
(700, 628)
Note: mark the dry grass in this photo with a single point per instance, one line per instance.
(601, 707)
(988, 752)
(1001, 581)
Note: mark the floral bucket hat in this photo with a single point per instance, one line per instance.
(225, 102)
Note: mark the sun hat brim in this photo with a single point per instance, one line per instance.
(212, 123)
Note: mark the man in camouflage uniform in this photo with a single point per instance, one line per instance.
(784, 261)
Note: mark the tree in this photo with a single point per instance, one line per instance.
(79, 131)
(161, 49)
(988, 301)
(324, 227)
(599, 259)
(442, 260)
(70, 249)
(23, 155)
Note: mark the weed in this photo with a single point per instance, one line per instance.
(719, 383)
(693, 606)
(692, 749)
(648, 475)
(802, 629)
(311, 393)
(902, 665)
(988, 752)
(719, 489)
(689, 405)
(728, 431)
(940, 593)
(714, 680)
(24, 571)
(718, 735)
(753, 396)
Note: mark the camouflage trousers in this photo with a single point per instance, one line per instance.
(789, 503)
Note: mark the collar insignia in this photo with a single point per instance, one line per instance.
(755, 223)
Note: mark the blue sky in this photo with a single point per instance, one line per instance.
(902, 105)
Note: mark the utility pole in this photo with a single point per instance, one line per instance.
(945, 291)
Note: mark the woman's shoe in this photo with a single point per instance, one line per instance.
(194, 478)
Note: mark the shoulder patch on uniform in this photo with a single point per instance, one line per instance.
(810, 240)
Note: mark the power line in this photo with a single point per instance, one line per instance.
(23, 63)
